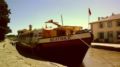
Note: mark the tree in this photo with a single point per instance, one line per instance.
(4, 19)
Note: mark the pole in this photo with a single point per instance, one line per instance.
(88, 20)
(89, 14)
(62, 19)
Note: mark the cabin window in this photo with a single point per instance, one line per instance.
(61, 32)
(31, 34)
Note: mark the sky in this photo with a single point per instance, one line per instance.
(74, 12)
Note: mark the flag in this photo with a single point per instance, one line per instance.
(89, 11)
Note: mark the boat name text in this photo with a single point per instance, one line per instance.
(60, 38)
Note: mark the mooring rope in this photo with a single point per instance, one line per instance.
(85, 42)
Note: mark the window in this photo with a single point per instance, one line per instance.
(110, 34)
(109, 24)
(118, 23)
(118, 35)
(100, 24)
(101, 35)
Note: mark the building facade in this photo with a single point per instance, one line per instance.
(107, 29)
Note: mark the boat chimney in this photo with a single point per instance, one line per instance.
(113, 14)
(98, 18)
(30, 27)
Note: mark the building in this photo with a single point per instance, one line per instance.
(106, 29)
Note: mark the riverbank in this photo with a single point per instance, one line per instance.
(9, 57)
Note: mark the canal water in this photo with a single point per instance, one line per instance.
(9, 57)
(101, 58)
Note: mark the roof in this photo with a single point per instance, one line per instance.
(112, 17)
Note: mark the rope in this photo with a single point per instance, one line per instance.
(85, 42)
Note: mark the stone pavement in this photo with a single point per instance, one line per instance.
(9, 57)
(106, 44)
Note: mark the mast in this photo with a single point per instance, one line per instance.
(89, 14)
(62, 19)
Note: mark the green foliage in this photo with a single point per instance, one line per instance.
(11, 35)
(4, 19)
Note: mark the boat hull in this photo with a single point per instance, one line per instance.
(69, 53)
